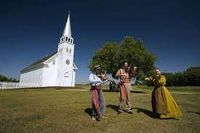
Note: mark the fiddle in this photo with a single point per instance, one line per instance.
(132, 71)
(103, 76)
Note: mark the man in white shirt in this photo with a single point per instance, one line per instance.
(98, 100)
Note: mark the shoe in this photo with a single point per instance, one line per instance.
(98, 118)
(93, 118)
(103, 117)
(119, 111)
(129, 111)
(128, 108)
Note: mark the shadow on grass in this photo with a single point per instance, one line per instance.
(114, 107)
(131, 91)
(88, 111)
(198, 113)
(147, 112)
(138, 92)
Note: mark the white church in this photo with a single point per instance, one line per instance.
(57, 69)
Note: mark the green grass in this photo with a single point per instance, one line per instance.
(66, 110)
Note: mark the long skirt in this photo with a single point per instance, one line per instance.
(124, 89)
(164, 104)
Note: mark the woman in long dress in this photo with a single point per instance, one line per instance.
(163, 103)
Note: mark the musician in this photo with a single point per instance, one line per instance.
(125, 75)
(163, 104)
(96, 79)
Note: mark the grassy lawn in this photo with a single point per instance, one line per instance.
(67, 110)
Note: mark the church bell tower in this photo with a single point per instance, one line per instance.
(66, 56)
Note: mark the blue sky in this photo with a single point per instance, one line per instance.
(31, 29)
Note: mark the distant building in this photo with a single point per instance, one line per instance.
(57, 69)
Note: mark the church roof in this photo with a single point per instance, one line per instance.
(40, 62)
(37, 63)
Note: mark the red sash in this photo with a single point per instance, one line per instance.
(95, 98)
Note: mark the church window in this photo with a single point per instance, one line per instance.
(70, 51)
(54, 62)
(67, 61)
(67, 50)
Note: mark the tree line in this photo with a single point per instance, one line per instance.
(189, 77)
(6, 79)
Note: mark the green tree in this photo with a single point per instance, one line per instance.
(132, 50)
(170, 79)
(193, 76)
(5, 79)
(190, 77)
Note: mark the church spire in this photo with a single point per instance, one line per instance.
(67, 30)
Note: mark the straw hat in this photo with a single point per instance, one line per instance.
(97, 67)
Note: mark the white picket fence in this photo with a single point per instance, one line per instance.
(14, 85)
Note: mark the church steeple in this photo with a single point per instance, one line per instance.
(67, 30)
(67, 37)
